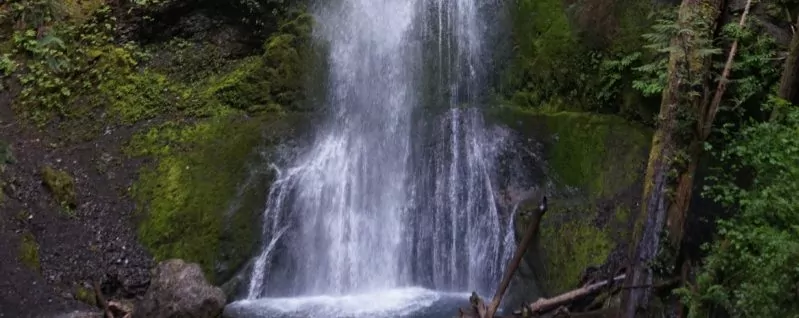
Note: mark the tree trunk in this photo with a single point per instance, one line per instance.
(666, 144)
(789, 82)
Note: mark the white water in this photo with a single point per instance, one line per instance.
(397, 188)
(387, 303)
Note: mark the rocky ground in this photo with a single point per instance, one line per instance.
(52, 253)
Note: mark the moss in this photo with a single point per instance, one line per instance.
(80, 10)
(185, 196)
(599, 154)
(276, 78)
(85, 295)
(570, 243)
(61, 185)
(29, 252)
(544, 45)
(564, 52)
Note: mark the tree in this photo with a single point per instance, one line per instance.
(675, 146)
(789, 82)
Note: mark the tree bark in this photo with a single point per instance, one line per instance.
(678, 210)
(790, 74)
(657, 204)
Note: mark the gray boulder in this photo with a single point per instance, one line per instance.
(179, 289)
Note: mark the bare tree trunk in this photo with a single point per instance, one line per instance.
(657, 204)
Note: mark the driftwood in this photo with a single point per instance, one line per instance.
(546, 304)
(532, 229)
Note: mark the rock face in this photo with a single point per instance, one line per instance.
(592, 175)
(179, 289)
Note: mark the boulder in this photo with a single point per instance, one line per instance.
(179, 289)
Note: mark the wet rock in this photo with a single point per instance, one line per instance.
(179, 289)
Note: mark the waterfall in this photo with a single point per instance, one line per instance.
(397, 188)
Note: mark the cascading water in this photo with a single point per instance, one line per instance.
(397, 190)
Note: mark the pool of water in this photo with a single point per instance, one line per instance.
(405, 302)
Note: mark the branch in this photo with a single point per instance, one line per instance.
(710, 115)
(532, 229)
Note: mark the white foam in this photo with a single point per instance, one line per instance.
(386, 303)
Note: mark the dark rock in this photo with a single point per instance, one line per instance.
(179, 289)
(782, 35)
(736, 5)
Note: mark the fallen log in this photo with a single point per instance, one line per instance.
(543, 305)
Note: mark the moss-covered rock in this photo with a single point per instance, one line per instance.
(201, 201)
(61, 185)
(596, 163)
(29, 252)
(571, 242)
(85, 295)
(600, 155)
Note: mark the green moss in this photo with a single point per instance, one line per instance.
(85, 295)
(570, 243)
(138, 95)
(599, 154)
(61, 185)
(185, 196)
(29, 252)
(275, 79)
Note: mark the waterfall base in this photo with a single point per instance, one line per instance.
(404, 302)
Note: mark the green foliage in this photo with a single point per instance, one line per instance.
(544, 46)
(61, 185)
(754, 69)
(7, 67)
(652, 76)
(556, 67)
(276, 79)
(35, 13)
(29, 252)
(751, 270)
